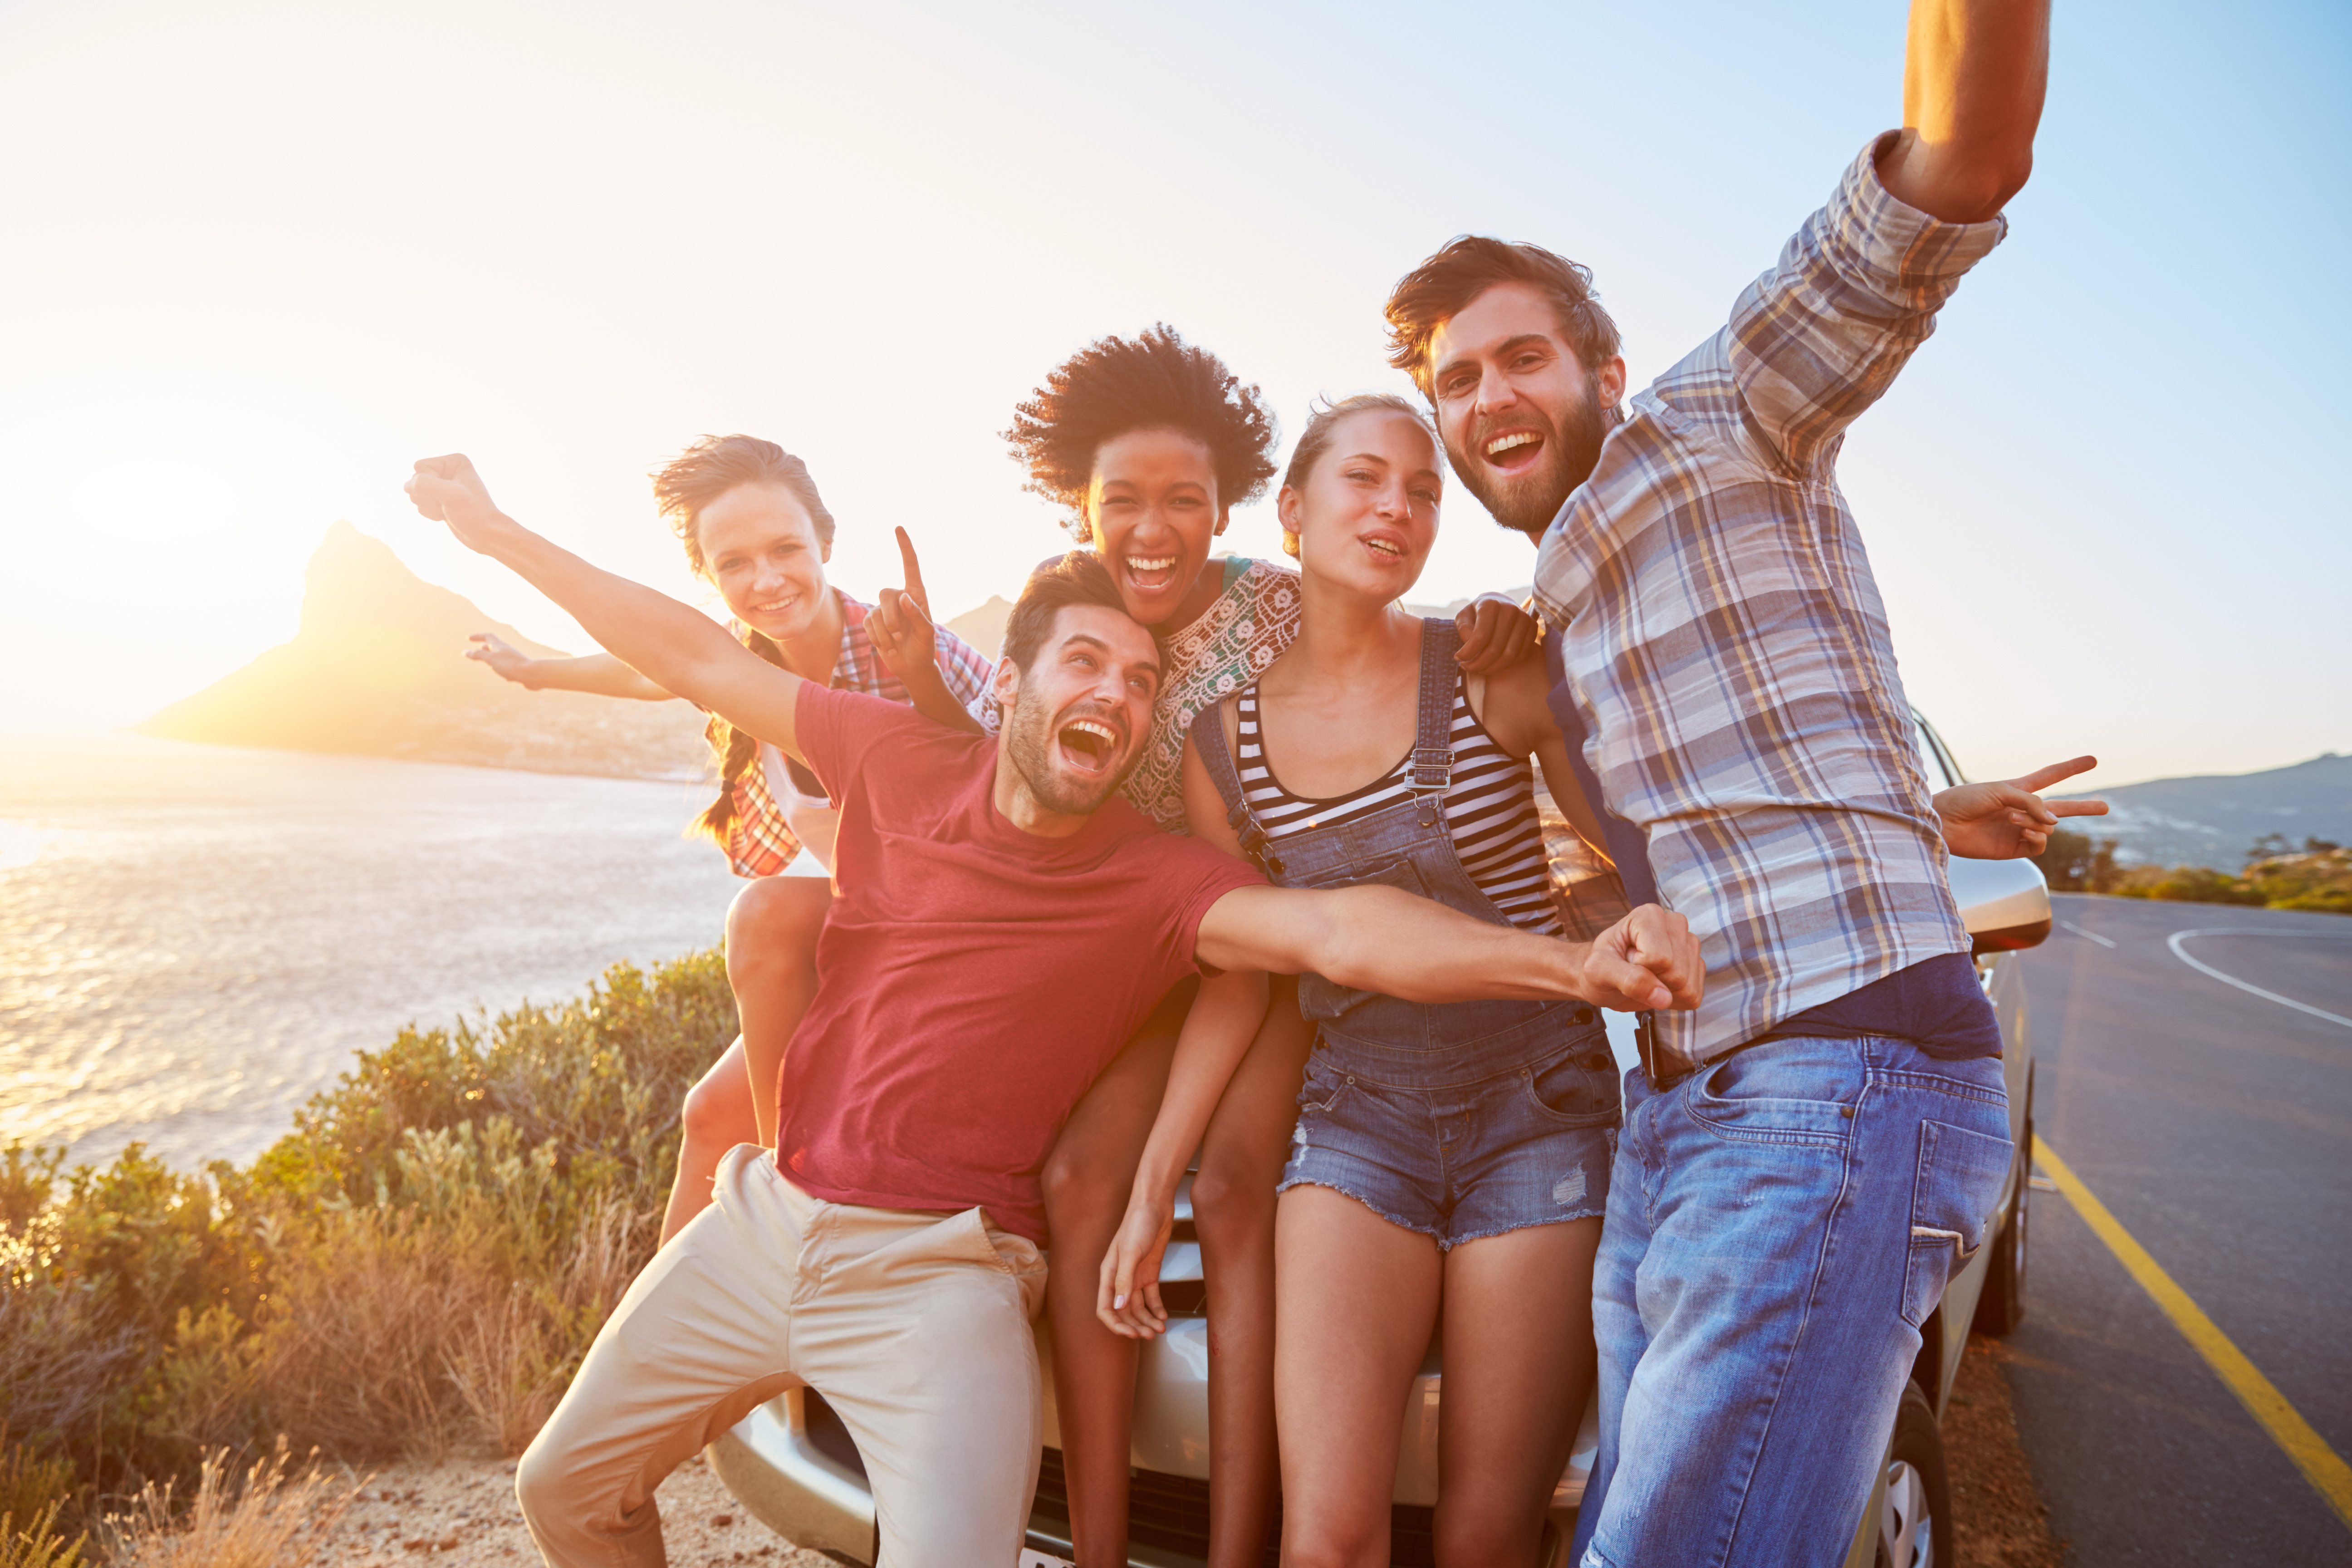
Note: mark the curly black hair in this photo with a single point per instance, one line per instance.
(1154, 382)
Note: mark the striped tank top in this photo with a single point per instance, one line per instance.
(1490, 809)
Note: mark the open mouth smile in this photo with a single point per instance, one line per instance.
(1150, 572)
(1088, 745)
(1514, 450)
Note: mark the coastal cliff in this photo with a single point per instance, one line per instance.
(378, 670)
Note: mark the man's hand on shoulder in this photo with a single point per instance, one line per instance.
(2006, 819)
(1496, 635)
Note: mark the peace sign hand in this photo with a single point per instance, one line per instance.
(2006, 819)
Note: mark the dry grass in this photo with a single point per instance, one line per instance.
(512, 1359)
(37, 1544)
(261, 1520)
(354, 1348)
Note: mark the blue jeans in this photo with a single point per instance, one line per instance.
(1780, 1225)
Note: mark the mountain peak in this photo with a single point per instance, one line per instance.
(379, 669)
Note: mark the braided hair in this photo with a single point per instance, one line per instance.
(684, 486)
(1114, 386)
(735, 750)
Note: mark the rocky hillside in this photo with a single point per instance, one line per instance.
(2213, 819)
(378, 670)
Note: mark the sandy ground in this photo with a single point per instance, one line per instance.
(1998, 1517)
(463, 1513)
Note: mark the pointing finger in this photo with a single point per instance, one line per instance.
(914, 572)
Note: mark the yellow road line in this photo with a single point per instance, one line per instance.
(2310, 1452)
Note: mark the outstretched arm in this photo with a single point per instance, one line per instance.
(598, 674)
(2006, 819)
(1216, 1036)
(1385, 940)
(1973, 79)
(675, 645)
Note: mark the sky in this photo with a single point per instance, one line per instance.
(256, 258)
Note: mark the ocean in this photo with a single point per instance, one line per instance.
(193, 940)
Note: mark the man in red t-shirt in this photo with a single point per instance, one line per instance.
(1002, 924)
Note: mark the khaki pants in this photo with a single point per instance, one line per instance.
(915, 1327)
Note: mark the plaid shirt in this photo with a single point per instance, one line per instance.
(1725, 647)
(759, 841)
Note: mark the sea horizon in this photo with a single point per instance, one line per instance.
(196, 939)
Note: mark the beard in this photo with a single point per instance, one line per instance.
(1525, 503)
(1030, 736)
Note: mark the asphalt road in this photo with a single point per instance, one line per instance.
(2216, 1125)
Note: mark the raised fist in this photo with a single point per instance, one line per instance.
(447, 489)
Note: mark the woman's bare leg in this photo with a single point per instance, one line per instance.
(1518, 1366)
(771, 932)
(1087, 1181)
(1233, 1208)
(1356, 1297)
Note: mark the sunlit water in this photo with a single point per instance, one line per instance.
(195, 939)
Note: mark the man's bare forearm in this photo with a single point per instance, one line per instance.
(1387, 941)
(1417, 950)
(1974, 78)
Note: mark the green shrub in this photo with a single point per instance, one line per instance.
(2317, 878)
(420, 1264)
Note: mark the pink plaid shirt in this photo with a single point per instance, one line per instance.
(760, 841)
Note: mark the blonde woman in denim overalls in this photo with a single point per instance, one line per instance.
(1461, 1150)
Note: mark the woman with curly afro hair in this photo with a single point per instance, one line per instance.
(1149, 443)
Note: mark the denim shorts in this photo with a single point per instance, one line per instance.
(1529, 1144)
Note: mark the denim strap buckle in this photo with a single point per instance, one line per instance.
(1432, 769)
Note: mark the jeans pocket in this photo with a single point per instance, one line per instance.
(1326, 1085)
(1952, 1198)
(1788, 1091)
(1579, 1087)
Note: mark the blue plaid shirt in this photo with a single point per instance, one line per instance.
(1725, 645)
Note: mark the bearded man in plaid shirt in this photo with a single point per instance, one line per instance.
(1809, 1155)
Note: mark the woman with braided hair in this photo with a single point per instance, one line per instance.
(755, 528)
(1149, 442)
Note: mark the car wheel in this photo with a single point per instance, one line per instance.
(1914, 1521)
(2001, 1306)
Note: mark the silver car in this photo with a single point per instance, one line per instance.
(793, 1465)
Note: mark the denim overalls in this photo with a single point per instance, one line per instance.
(1459, 1118)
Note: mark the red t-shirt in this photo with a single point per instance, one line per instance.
(973, 978)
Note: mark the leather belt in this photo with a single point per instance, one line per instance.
(1664, 1068)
